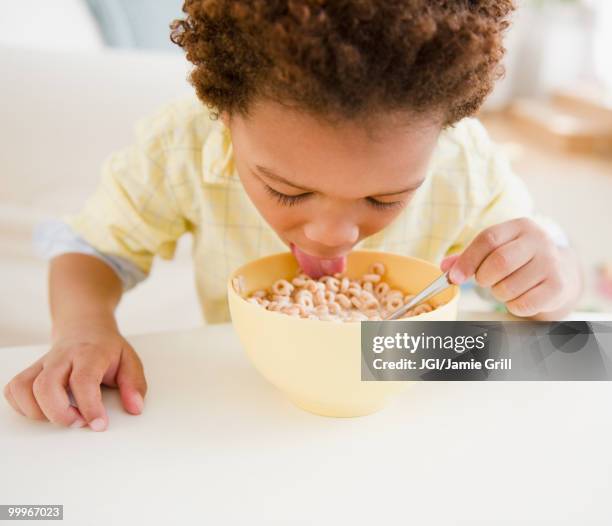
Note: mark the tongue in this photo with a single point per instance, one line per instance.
(316, 267)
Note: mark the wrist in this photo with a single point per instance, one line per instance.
(96, 322)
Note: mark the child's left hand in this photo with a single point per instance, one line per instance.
(523, 267)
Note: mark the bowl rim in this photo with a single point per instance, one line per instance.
(231, 292)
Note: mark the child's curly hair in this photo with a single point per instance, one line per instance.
(345, 59)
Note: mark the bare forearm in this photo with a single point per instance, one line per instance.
(82, 289)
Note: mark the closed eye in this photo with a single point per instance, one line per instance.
(284, 199)
(291, 200)
(380, 205)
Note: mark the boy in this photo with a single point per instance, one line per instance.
(335, 125)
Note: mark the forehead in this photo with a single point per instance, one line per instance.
(347, 157)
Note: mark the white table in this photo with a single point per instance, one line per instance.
(218, 445)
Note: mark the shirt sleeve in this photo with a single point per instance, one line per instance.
(53, 238)
(134, 213)
(503, 196)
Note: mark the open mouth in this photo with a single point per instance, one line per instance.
(314, 266)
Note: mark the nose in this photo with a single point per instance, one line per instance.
(332, 233)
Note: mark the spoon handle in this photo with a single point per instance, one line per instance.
(438, 285)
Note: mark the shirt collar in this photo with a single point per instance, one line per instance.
(218, 155)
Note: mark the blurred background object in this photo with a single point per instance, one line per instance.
(79, 73)
(49, 24)
(552, 112)
(89, 24)
(136, 23)
(558, 82)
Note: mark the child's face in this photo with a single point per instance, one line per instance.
(324, 187)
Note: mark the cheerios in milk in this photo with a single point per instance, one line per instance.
(333, 298)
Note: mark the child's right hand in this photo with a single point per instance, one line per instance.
(80, 359)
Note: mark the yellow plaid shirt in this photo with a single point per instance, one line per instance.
(179, 177)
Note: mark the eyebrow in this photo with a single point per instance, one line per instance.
(269, 173)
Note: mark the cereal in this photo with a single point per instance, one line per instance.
(329, 296)
(304, 298)
(378, 268)
(298, 282)
(393, 303)
(336, 298)
(343, 300)
(368, 286)
(331, 283)
(282, 287)
(354, 291)
(356, 303)
(334, 308)
(319, 298)
(366, 296)
(381, 288)
(424, 307)
(311, 286)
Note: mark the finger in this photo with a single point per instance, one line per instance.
(84, 381)
(503, 261)
(49, 388)
(21, 390)
(131, 381)
(482, 245)
(541, 298)
(9, 398)
(448, 262)
(520, 281)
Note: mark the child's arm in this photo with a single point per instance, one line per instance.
(87, 350)
(82, 290)
(136, 213)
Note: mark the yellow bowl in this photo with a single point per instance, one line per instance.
(317, 364)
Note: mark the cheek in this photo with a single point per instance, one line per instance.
(281, 218)
(374, 221)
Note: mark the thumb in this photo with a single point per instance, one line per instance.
(131, 381)
(448, 262)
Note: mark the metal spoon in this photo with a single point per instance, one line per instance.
(436, 286)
